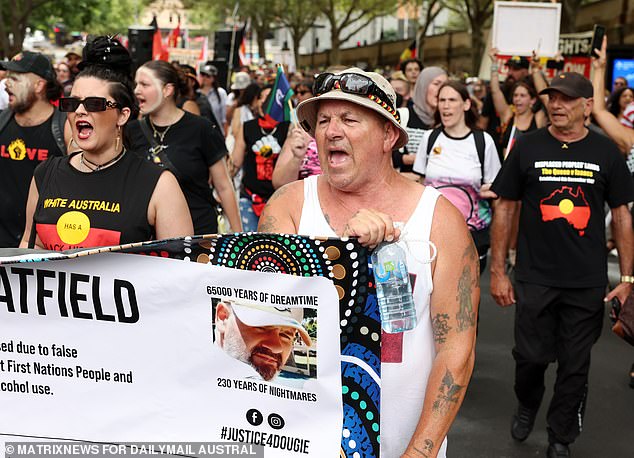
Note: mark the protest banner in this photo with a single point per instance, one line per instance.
(105, 345)
(574, 49)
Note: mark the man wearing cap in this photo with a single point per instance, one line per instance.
(424, 371)
(73, 58)
(217, 96)
(258, 335)
(31, 130)
(563, 175)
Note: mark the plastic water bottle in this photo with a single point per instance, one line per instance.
(393, 289)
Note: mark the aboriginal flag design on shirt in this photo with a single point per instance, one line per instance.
(102, 208)
(73, 229)
(569, 205)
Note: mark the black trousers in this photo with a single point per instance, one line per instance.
(562, 325)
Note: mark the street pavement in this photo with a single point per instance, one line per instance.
(482, 428)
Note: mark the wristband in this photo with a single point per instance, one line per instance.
(494, 68)
(627, 279)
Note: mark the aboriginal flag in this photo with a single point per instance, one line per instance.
(566, 204)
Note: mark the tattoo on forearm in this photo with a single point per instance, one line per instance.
(448, 394)
(268, 224)
(440, 326)
(466, 317)
(428, 446)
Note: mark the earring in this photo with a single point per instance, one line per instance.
(70, 143)
(118, 139)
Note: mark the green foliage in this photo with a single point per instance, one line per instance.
(97, 17)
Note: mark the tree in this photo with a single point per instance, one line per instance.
(299, 16)
(347, 17)
(430, 9)
(96, 16)
(263, 15)
(14, 19)
(477, 14)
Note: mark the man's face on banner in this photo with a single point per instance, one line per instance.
(266, 348)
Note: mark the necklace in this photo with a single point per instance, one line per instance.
(94, 167)
(157, 134)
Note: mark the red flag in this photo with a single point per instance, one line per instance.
(203, 56)
(172, 39)
(159, 50)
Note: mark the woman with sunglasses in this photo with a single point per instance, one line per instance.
(186, 144)
(461, 162)
(102, 195)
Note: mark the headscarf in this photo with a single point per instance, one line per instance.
(421, 107)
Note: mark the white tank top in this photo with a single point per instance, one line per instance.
(406, 358)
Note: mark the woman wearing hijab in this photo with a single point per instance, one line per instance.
(419, 115)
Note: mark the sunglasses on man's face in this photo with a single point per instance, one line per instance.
(351, 83)
(303, 92)
(91, 104)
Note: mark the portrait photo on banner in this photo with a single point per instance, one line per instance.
(277, 343)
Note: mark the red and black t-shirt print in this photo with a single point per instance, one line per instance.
(569, 205)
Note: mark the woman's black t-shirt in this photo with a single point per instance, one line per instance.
(105, 207)
(192, 146)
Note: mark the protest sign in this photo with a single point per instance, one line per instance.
(519, 28)
(574, 48)
(120, 347)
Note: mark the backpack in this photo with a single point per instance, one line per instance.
(478, 136)
(57, 126)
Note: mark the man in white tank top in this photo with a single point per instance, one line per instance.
(359, 194)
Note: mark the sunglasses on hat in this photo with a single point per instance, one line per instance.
(91, 104)
(350, 83)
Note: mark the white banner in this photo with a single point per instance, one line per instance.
(117, 347)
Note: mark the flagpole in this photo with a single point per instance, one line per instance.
(293, 114)
(233, 41)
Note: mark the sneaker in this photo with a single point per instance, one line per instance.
(558, 450)
(522, 423)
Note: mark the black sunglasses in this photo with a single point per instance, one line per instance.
(351, 83)
(91, 104)
(303, 92)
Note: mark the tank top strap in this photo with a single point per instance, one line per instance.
(420, 221)
(312, 220)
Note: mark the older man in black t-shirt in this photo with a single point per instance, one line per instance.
(563, 175)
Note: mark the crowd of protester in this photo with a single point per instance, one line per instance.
(168, 151)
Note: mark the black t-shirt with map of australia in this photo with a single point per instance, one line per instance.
(563, 188)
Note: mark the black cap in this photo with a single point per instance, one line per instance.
(518, 62)
(572, 84)
(30, 62)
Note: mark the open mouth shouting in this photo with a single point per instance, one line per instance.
(337, 157)
(84, 129)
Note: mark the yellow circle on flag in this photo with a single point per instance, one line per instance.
(73, 227)
(566, 206)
